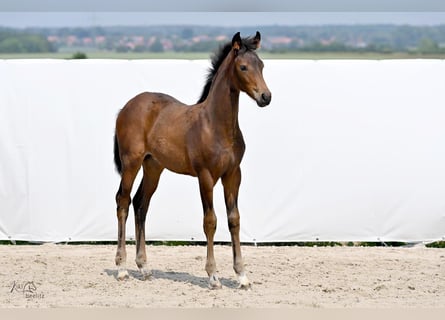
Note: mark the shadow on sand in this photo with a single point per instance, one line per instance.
(184, 277)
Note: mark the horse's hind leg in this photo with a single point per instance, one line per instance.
(129, 172)
(231, 182)
(141, 202)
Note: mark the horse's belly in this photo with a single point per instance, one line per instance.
(171, 157)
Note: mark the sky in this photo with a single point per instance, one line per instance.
(21, 19)
(85, 13)
(223, 5)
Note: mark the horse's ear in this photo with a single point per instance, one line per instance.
(257, 40)
(236, 42)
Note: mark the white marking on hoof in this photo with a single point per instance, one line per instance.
(244, 282)
(146, 274)
(122, 274)
(214, 282)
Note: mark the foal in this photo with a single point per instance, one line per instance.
(156, 131)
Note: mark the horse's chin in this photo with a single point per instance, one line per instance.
(262, 104)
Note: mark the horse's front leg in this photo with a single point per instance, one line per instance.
(231, 182)
(206, 184)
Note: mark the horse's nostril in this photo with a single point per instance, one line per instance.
(266, 97)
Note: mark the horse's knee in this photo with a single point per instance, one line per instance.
(210, 221)
(234, 220)
(122, 208)
(123, 201)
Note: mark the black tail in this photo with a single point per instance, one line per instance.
(117, 158)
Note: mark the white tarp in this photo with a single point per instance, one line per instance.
(347, 150)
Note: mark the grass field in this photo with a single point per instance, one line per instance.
(206, 55)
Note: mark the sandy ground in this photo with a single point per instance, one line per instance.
(52, 275)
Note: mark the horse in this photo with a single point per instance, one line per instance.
(156, 131)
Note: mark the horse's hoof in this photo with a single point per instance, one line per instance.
(214, 283)
(244, 283)
(245, 286)
(122, 275)
(146, 274)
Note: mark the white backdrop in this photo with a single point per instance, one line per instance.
(347, 150)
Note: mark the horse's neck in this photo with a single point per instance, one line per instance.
(222, 105)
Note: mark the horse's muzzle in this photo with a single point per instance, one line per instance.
(264, 99)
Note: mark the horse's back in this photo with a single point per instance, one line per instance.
(144, 106)
(146, 101)
(147, 120)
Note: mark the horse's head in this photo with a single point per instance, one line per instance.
(249, 69)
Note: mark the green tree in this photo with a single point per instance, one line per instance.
(427, 45)
(187, 33)
(157, 46)
(18, 42)
(11, 45)
(79, 55)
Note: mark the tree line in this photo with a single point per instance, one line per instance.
(333, 38)
(12, 41)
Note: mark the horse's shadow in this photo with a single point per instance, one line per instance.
(184, 277)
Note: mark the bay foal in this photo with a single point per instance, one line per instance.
(156, 131)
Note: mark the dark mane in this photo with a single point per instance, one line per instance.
(218, 58)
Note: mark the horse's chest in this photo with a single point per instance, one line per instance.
(222, 158)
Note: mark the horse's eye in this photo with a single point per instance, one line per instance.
(243, 67)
